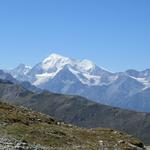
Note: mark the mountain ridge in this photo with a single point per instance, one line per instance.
(65, 75)
(78, 110)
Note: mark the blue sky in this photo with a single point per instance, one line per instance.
(114, 34)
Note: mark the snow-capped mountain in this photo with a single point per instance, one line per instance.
(143, 76)
(65, 75)
(20, 72)
(85, 71)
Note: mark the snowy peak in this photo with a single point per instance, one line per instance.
(55, 61)
(54, 57)
(23, 68)
(20, 72)
(84, 70)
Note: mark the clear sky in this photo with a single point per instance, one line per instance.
(114, 34)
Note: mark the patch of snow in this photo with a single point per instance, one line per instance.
(92, 80)
(85, 65)
(28, 67)
(106, 69)
(145, 82)
(86, 78)
(43, 78)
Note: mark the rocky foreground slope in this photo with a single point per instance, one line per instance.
(24, 129)
(78, 110)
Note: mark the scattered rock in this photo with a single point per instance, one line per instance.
(121, 142)
(13, 144)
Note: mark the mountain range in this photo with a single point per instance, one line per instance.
(78, 110)
(59, 74)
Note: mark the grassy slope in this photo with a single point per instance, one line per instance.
(37, 128)
(79, 111)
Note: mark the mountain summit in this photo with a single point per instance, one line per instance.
(85, 71)
(57, 61)
(65, 75)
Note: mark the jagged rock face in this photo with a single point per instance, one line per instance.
(64, 75)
